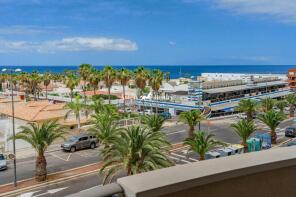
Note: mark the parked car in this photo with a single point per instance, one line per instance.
(3, 163)
(166, 115)
(290, 131)
(292, 143)
(80, 142)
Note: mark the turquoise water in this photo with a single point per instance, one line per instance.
(178, 71)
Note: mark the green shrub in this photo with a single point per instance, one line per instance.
(104, 96)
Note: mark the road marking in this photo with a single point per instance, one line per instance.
(179, 155)
(172, 133)
(56, 156)
(179, 159)
(28, 194)
(52, 191)
(69, 156)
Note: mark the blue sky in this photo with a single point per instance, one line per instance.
(145, 32)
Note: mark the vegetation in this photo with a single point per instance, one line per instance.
(267, 104)
(41, 137)
(84, 72)
(109, 77)
(75, 107)
(291, 99)
(71, 81)
(124, 77)
(192, 118)
(272, 119)
(201, 142)
(154, 122)
(136, 150)
(248, 106)
(244, 130)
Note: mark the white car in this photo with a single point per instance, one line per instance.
(3, 163)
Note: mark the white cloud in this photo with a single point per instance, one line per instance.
(252, 58)
(70, 44)
(281, 10)
(29, 30)
(172, 43)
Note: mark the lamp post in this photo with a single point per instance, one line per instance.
(11, 71)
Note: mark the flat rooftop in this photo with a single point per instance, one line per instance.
(244, 87)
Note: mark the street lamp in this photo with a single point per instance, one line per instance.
(11, 71)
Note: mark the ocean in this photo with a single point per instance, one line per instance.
(176, 71)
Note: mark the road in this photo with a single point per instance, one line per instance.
(59, 160)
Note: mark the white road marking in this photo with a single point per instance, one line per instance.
(28, 194)
(56, 156)
(69, 156)
(52, 191)
(178, 159)
(172, 133)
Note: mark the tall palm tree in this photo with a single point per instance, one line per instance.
(201, 142)
(124, 76)
(291, 99)
(75, 107)
(154, 122)
(141, 75)
(167, 76)
(71, 81)
(267, 104)
(155, 81)
(41, 137)
(272, 119)
(84, 72)
(94, 79)
(97, 105)
(244, 129)
(34, 80)
(192, 118)
(248, 106)
(46, 78)
(281, 105)
(23, 78)
(109, 77)
(137, 150)
(105, 126)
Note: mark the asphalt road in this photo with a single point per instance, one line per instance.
(59, 160)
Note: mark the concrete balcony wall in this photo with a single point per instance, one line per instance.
(266, 174)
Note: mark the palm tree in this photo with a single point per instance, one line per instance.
(41, 137)
(137, 150)
(244, 129)
(124, 76)
(75, 107)
(97, 105)
(46, 81)
(141, 77)
(272, 119)
(201, 142)
(167, 76)
(192, 118)
(267, 104)
(155, 81)
(85, 71)
(281, 106)
(94, 79)
(154, 122)
(109, 77)
(34, 80)
(291, 99)
(105, 126)
(71, 82)
(248, 106)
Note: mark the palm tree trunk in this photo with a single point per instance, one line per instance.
(46, 92)
(78, 120)
(190, 131)
(129, 171)
(109, 95)
(157, 103)
(273, 137)
(41, 172)
(84, 88)
(123, 90)
(244, 143)
(201, 157)
(292, 111)
(71, 95)
(94, 90)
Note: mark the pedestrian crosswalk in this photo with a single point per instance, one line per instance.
(183, 157)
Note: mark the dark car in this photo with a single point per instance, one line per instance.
(293, 143)
(290, 132)
(80, 142)
(165, 115)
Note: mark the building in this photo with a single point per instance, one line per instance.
(292, 78)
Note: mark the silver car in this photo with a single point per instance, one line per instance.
(3, 163)
(80, 142)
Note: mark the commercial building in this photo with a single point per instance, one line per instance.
(292, 78)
